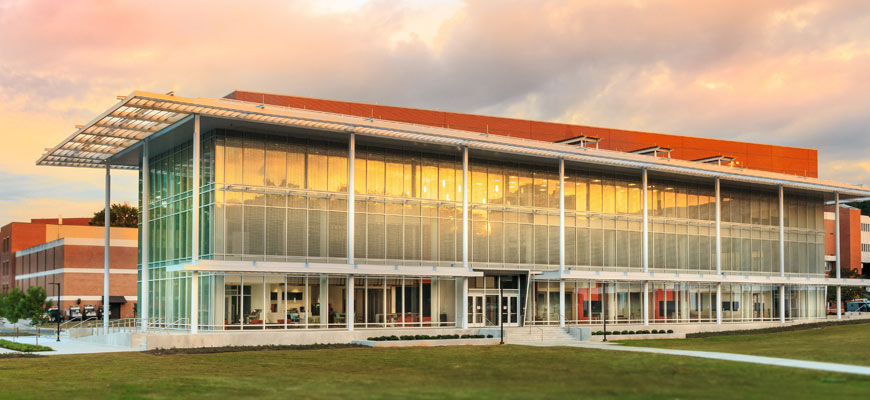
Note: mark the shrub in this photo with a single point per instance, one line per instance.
(631, 332)
(670, 331)
(23, 346)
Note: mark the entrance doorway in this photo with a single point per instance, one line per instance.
(490, 304)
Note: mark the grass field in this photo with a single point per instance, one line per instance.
(471, 372)
(845, 344)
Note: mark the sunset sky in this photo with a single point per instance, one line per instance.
(794, 73)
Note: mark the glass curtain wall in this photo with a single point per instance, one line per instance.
(804, 236)
(408, 207)
(603, 221)
(169, 204)
(276, 198)
(587, 302)
(514, 215)
(681, 226)
(284, 301)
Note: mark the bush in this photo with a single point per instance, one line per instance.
(631, 332)
(670, 331)
(654, 331)
(23, 346)
(427, 337)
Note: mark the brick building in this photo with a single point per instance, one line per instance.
(854, 238)
(75, 260)
(21, 235)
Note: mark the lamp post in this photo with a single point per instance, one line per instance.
(501, 310)
(604, 308)
(57, 315)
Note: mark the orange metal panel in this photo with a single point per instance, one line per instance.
(789, 160)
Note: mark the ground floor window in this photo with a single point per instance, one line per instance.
(292, 301)
(589, 302)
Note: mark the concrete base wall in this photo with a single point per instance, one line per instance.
(281, 337)
(579, 333)
(427, 343)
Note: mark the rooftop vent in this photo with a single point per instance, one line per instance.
(582, 141)
(718, 160)
(653, 151)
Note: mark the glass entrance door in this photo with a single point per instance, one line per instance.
(475, 310)
(509, 309)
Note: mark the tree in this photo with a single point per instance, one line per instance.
(864, 206)
(3, 305)
(846, 292)
(12, 307)
(33, 306)
(123, 215)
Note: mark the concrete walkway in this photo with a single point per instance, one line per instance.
(67, 346)
(781, 362)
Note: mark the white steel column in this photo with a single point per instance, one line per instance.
(194, 302)
(351, 209)
(351, 197)
(465, 207)
(194, 229)
(645, 245)
(718, 194)
(462, 316)
(350, 293)
(718, 228)
(194, 212)
(645, 237)
(837, 252)
(645, 303)
(781, 254)
(781, 232)
(462, 303)
(561, 241)
(146, 236)
(107, 232)
(324, 301)
(782, 304)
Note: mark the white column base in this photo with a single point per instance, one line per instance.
(646, 303)
(562, 303)
(839, 303)
(194, 302)
(350, 304)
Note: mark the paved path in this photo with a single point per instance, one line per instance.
(781, 362)
(68, 346)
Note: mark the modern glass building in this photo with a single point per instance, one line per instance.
(258, 216)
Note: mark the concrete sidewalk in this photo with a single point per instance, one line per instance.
(780, 362)
(67, 346)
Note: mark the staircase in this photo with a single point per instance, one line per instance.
(538, 336)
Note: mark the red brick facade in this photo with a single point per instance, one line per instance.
(82, 277)
(850, 237)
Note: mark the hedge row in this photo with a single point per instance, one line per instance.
(641, 332)
(233, 349)
(787, 328)
(426, 337)
(23, 346)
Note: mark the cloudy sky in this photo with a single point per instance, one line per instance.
(791, 73)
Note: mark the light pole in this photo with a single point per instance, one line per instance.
(58, 314)
(501, 310)
(604, 309)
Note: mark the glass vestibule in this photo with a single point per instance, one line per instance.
(278, 301)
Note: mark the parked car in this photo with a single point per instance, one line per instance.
(861, 305)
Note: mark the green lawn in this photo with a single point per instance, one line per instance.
(470, 372)
(846, 344)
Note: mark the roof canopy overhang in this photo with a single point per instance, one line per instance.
(110, 137)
